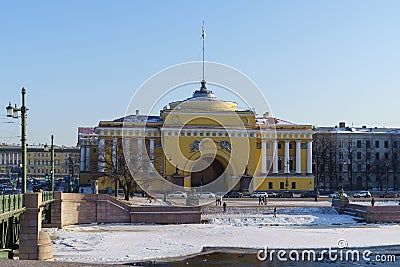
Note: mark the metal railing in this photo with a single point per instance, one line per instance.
(47, 196)
(10, 203)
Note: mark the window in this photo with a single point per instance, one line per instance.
(394, 144)
(358, 155)
(395, 155)
(340, 155)
(377, 155)
(368, 144)
(368, 155)
(386, 155)
(341, 143)
(340, 167)
(359, 167)
(282, 185)
(293, 185)
(377, 144)
(358, 143)
(290, 145)
(270, 185)
(279, 145)
(386, 144)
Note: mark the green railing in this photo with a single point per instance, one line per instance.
(11, 203)
(47, 196)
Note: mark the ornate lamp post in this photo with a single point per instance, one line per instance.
(13, 113)
(51, 161)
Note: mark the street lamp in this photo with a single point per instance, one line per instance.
(51, 161)
(13, 113)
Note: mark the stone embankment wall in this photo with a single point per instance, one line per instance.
(74, 208)
(371, 214)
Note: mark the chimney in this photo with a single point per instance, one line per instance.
(364, 127)
(342, 124)
(137, 112)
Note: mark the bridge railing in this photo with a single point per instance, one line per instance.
(47, 196)
(11, 202)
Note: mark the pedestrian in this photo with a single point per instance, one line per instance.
(220, 200)
(224, 207)
(265, 200)
(373, 202)
(217, 201)
(274, 212)
(259, 200)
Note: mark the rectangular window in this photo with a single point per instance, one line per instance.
(377, 144)
(340, 155)
(386, 155)
(358, 155)
(386, 144)
(358, 143)
(368, 155)
(293, 185)
(377, 155)
(395, 155)
(290, 145)
(359, 167)
(270, 185)
(368, 144)
(282, 185)
(279, 145)
(395, 144)
(340, 167)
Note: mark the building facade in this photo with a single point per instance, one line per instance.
(38, 160)
(203, 143)
(357, 158)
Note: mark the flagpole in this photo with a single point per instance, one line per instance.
(203, 37)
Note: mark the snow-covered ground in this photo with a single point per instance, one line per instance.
(293, 228)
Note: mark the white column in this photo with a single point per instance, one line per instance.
(152, 150)
(264, 156)
(286, 160)
(114, 152)
(87, 162)
(275, 165)
(298, 157)
(309, 156)
(139, 152)
(101, 164)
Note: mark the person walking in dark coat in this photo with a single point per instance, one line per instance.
(274, 212)
(224, 207)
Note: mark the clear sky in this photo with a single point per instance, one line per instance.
(317, 62)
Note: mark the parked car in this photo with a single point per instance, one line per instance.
(233, 194)
(272, 195)
(205, 195)
(287, 194)
(7, 190)
(258, 194)
(336, 194)
(390, 195)
(309, 194)
(177, 194)
(37, 188)
(364, 194)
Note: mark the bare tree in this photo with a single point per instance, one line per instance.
(115, 166)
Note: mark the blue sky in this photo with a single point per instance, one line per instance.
(317, 62)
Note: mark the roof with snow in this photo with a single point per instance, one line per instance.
(273, 121)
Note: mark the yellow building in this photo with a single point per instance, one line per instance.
(202, 143)
(38, 160)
